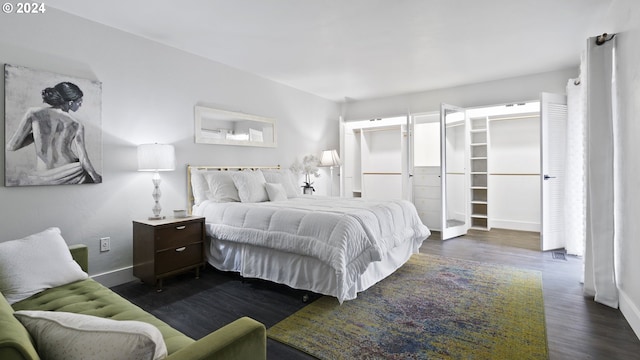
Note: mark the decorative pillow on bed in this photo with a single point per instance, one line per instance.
(284, 177)
(199, 186)
(221, 187)
(63, 335)
(35, 263)
(276, 192)
(250, 185)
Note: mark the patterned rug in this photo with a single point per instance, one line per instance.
(431, 308)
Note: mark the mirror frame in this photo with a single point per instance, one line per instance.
(200, 112)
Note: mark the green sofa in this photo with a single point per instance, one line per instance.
(244, 338)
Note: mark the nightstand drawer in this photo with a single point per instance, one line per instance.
(178, 258)
(178, 235)
(166, 247)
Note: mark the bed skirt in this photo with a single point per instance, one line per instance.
(303, 272)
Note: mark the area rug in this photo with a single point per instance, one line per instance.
(431, 308)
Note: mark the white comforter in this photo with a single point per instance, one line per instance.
(341, 232)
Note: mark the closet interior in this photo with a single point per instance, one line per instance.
(492, 165)
(375, 164)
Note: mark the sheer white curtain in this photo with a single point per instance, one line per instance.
(602, 179)
(574, 194)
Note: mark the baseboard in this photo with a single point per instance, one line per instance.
(115, 277)
(514, 225)
(630, 312)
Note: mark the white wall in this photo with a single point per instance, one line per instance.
(149, 91)
(498, 92)
(624, 19)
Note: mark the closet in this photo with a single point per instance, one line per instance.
(484, 174)
(514, 170)
(504, 167)
(427, 196)
(375, 153)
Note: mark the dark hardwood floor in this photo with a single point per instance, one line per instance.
(577, 327)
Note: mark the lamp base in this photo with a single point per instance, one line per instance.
(159, 217)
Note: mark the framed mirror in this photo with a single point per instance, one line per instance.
(214, 126)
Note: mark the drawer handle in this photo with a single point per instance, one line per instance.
(181, 249)
(181, 227)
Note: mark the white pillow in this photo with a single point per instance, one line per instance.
(284, 177)
(199, 186)
(63, 335)
(276, 192)
(221, 187)
(35, 263)
(250, 185)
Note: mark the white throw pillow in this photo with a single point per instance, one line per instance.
(35, 263)
(199, 186)
(250, 185)
(276, 192)
(63, 335)
(284, 177)
(221, 186)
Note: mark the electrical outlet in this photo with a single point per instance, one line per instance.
(105, 244)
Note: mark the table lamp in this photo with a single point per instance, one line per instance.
(330, 158)
(156, 158)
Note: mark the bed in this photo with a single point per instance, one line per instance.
(259, 225)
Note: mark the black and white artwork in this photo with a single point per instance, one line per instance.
(53, 132)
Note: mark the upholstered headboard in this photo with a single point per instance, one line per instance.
(190, 197)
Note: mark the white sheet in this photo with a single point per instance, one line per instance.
(344, 234)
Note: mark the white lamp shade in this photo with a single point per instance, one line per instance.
(330, 158)
(156, 157)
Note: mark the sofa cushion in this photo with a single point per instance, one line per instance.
(91, 298)
(63, 335)
(15, 342)
(34, 263)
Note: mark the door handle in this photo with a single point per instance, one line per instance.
(547, 177)
(181, 227)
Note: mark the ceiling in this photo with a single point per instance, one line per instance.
(346, 50)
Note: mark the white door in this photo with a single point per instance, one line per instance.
(407, 159)
(452, 171)
(553, 128)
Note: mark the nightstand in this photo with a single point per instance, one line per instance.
(162, 248)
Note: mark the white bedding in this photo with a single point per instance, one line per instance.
(344, 235)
